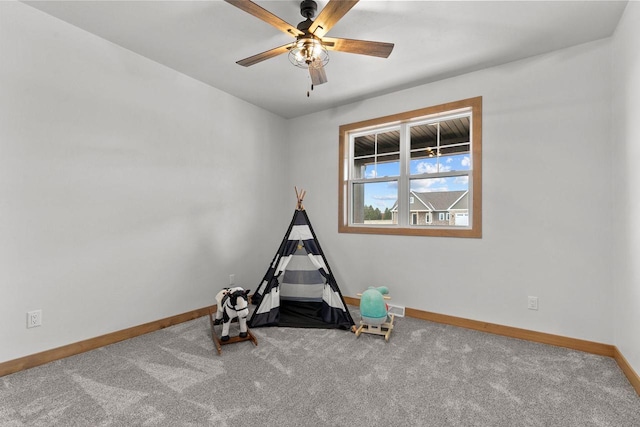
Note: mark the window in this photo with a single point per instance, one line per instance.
(428, 218)
(414, 173)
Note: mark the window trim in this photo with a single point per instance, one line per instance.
(475, 229)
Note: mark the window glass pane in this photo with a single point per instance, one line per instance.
(376, 155)
(365, 168)
(424, 136)
(455, 162)
(442, 146)
(364, 146)
(440, 201)
(388, 166)
(451, 183)
(454, 131)
(389, 142)
(369, 171)
(359, 169)
(425, 165)
(373, 202)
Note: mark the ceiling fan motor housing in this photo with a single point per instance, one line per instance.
(308, 8)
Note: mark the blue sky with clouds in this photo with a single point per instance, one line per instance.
(384, 194)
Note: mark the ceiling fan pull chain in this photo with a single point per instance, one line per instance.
(309, 91)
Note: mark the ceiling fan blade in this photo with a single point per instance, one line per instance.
(264, 55)
(266, 16)
(362, 47)
(318, 76)
(332, 12)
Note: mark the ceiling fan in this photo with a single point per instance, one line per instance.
(309, 50)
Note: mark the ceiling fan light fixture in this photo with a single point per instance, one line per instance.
(308, 53)
(309, 50)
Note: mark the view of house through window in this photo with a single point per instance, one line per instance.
(413, 173)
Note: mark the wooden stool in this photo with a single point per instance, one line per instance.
(232, 340)
(382, 329)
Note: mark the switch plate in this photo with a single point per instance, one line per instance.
(532, 303)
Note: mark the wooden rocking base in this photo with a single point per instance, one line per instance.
(232, 340)
(382, 329)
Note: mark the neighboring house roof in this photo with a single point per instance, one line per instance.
(462, 202)
(437, 201)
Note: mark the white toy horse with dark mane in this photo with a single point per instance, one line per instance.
(232, 303)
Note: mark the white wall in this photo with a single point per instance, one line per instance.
(128, 192)
(626, 183)
(119, 203)
(547, 204)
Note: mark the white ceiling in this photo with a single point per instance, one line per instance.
(433, 40)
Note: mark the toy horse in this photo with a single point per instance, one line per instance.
(232, 303)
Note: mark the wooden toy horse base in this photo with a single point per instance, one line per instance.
(382, 329)
(232, 340)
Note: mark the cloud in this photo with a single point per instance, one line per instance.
(461, 180)
(466, 161)
(371, 174)
(423, 167)
(385, 197)
(429, 185)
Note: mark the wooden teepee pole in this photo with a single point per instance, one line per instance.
(300, 197)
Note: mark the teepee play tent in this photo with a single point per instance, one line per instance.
(298, 289)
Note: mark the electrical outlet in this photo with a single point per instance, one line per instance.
(232, 279)
(532, 303)
(34, 318)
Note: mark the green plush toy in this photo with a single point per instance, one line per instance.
(373, 309)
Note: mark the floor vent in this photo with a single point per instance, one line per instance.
(397, 310)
